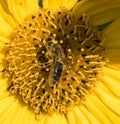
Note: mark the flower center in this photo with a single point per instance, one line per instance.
(53, 60)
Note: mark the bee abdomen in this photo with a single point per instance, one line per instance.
(56, 73)
(58, 70)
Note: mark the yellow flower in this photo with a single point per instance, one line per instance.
(57, 65)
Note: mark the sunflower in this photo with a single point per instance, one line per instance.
(59, 63)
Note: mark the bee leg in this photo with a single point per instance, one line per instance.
(45, 64)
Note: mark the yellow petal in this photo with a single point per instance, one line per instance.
(111, 102)
(5, 28)
(69, 3)
(100, 12)
(6, 105)
(112, 43)
(52, 4)
(1, 66)
(3, 87)
(112, 80)
(31, 6)
(3, 40)
(79, 116)
(59, 119)
(13, 6)
(91, 106)
(14, 11)
(114, 56)
(12, 112)
(92, 119)
(55, 4)
(21, 115)
(110, 115)
(108, 92)
(32, 119)
(40, 121)
(49, 120)
(112, 86)
(6, 14)
(112, 35)
(21, 8)
(70, 118)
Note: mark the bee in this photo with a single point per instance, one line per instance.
(57, 65)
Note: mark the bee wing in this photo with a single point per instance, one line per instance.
(67, 64)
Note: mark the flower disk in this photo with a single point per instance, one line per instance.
(53, 60)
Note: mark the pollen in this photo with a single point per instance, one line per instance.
(42, 40)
